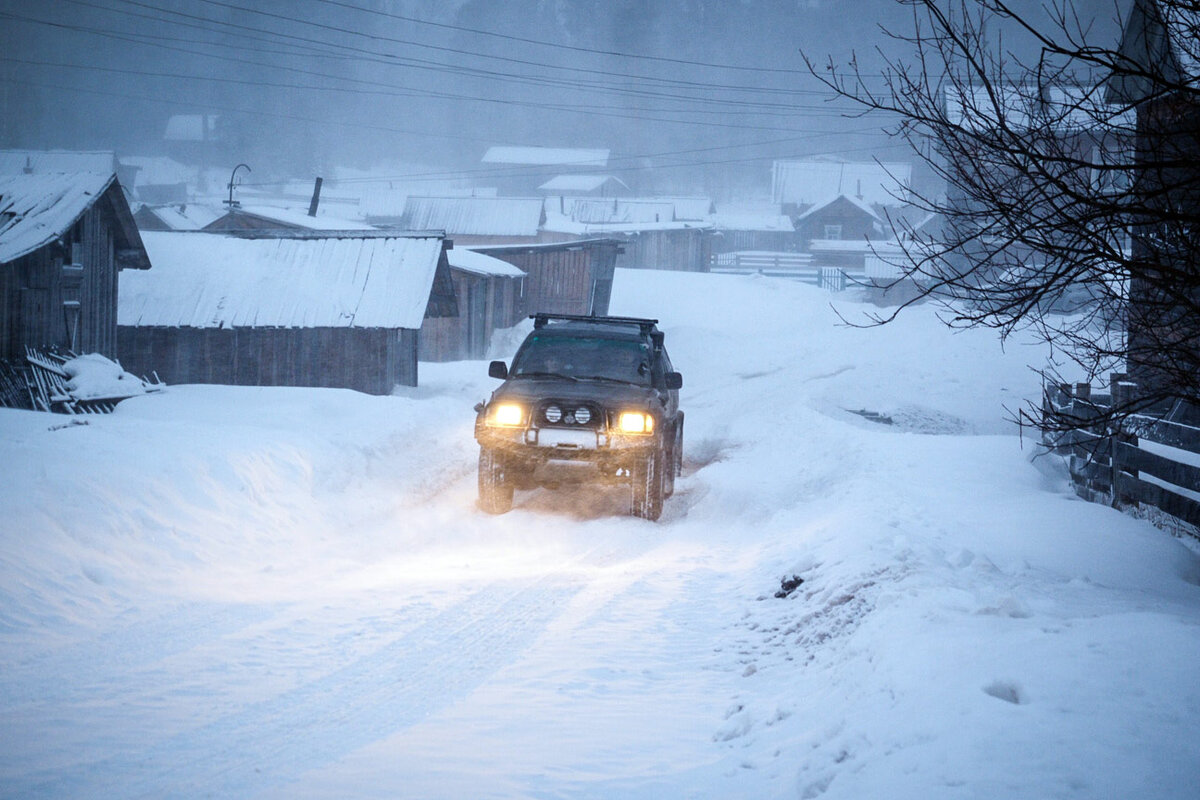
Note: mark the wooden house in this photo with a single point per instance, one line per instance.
(797, 185)
(304, 309)
(671, 233)
(1161, 40)
(747, 228)
(572, 277)
(64, 238)
(518, 170)
(489, 293)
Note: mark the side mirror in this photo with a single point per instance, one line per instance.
(674, 380)
(498, 369)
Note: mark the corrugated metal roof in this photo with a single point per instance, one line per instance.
(37, 209)
(805, 182)
(474, 216)
(546, 156)
(211, 281)
(15, 162)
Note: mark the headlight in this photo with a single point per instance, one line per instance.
(635, 422)
(506, 414)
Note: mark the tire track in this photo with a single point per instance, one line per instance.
(273, 742)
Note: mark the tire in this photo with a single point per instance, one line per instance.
(646, 486)
(495, 489)
(675, 459)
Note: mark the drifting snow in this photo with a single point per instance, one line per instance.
(240, 592)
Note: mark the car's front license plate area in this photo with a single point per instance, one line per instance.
(566, 439)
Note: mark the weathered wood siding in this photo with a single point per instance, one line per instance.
(566, 279)
(485, 303)
(31, 303)
(370, 360)
(683, 250)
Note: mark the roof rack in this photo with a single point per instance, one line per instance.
(646, 325)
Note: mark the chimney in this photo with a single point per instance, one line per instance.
(859, 186)
(316, 198)
(28, 166)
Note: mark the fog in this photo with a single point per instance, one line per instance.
(688, 95)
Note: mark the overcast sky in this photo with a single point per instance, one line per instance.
(302, 87)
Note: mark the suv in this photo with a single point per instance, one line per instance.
(587, 399)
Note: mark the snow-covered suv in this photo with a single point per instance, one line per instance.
(587, 399)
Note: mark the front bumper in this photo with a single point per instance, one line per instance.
(546, 443)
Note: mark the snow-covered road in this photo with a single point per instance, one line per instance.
(242, 592)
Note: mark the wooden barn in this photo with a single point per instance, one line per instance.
(673, 233)
(336, 310)
(749, 228)
(573, 277)
(64, 237)
(489, 293)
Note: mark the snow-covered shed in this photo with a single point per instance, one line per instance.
(175, 216)
(302, 309)
(752, 226)
(489, 293)
(476, 220)
(672, 233)
(796, 184)
(573, 277)
(64, 237)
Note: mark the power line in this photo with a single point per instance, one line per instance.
(556, 45)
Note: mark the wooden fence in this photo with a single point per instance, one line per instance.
(795, 266)
(1149, 460)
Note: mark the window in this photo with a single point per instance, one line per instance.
(833, 232)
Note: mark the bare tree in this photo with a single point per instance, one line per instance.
(1072, 201)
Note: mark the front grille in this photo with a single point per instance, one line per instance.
(565, 414)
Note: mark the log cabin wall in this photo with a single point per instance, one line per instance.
(31, 304)
(370, 360)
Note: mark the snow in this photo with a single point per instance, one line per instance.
(272, 592)
(468, 260)
(94, 377)
(37, 209)
(205, 280)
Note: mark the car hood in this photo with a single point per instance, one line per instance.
(607, 393)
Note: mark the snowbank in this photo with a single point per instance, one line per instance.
(290, 592)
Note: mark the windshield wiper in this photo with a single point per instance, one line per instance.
(545, 375)
(609, 379)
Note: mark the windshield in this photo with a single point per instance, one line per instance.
(579, 357)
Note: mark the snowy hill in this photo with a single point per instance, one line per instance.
(264, 592)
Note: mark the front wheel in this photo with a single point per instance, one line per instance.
(495, 489)
(646, 489)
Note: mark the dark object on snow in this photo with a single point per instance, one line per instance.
(873, 416)
(588, 399)
(789, 585)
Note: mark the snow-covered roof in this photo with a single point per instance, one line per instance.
(36, 209)
(15, 162)
(627, 210)
(1025, 106)
(474, 216)
(184, 217)
(388, 201)
(579, 183)
(854, 201)
(750, 221)
(299, 219)
(468, 260)
(207, 280)
(546, 156)
(804, 182)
